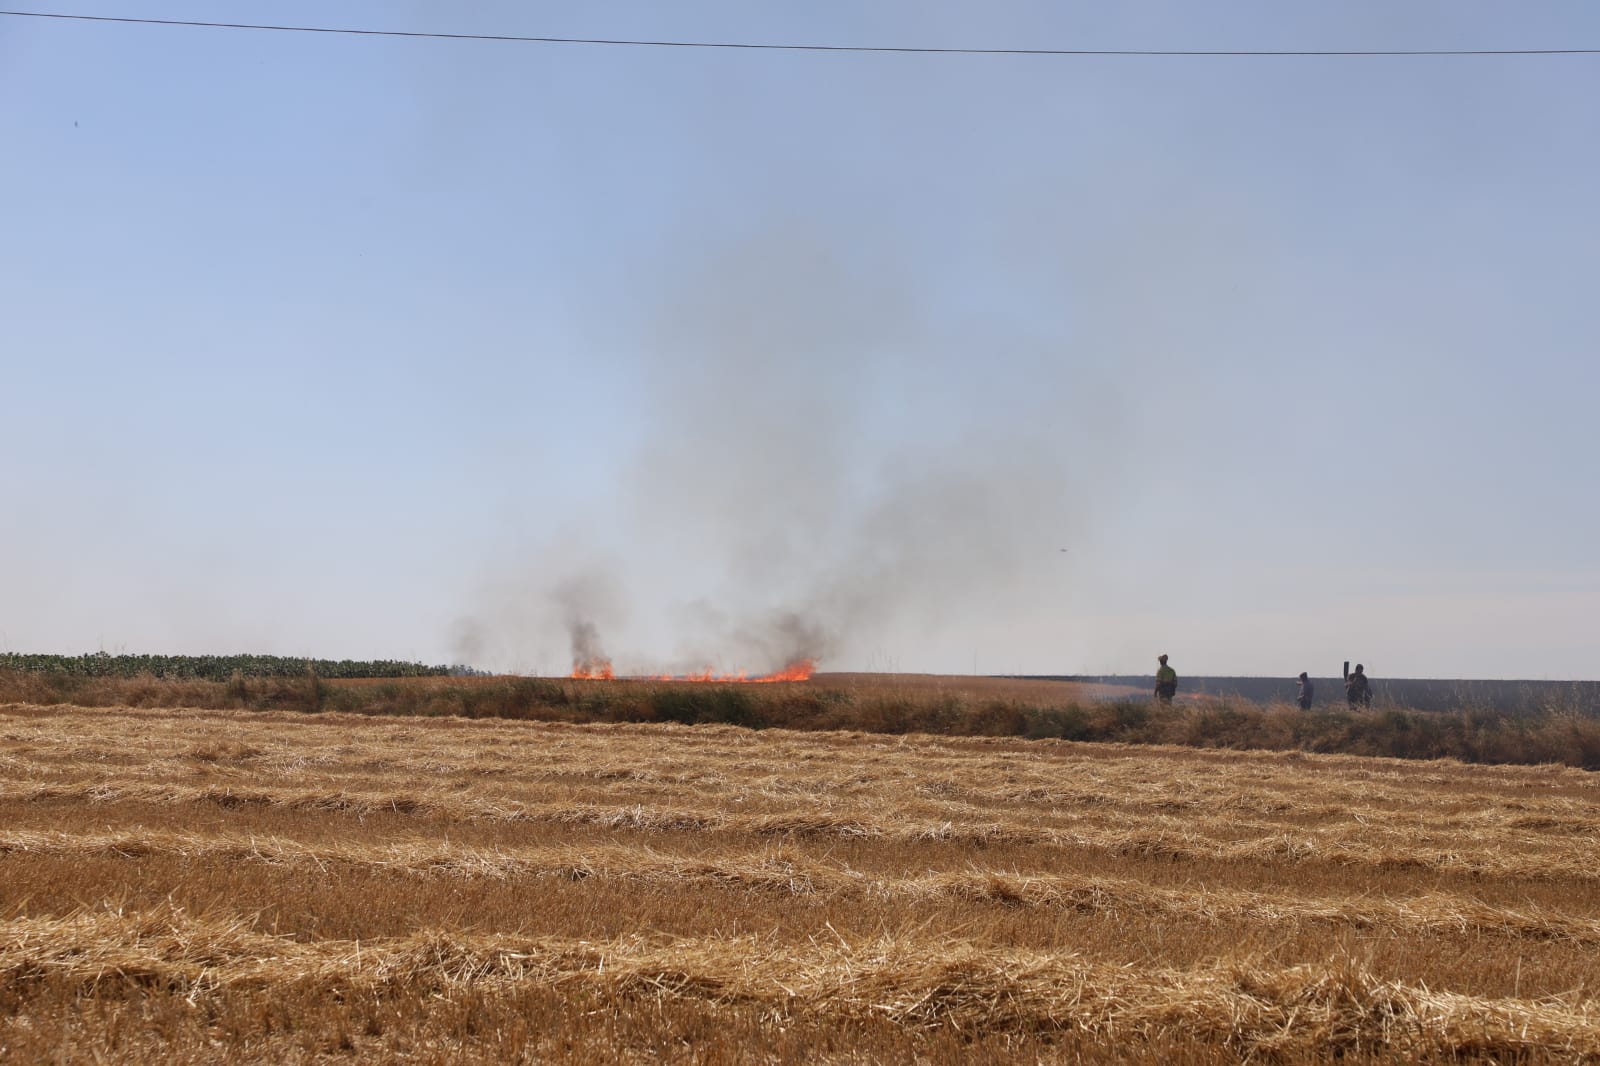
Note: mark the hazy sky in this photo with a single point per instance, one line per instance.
(427, 349)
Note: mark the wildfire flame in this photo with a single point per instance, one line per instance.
(593, 670)
(799, 670)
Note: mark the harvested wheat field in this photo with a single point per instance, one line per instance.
(197, 886)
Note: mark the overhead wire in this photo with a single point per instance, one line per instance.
(790, 47)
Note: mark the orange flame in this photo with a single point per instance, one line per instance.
(799, 670)
(593, 670)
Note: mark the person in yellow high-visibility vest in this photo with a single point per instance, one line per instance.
(1166, 680)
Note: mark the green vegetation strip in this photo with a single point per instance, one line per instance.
(212, 667)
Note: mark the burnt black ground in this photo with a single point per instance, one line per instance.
(1426, 694)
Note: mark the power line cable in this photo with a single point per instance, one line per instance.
(756, 46)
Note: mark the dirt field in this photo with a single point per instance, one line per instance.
(196, 886)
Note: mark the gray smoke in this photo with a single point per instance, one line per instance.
(583, 600)
(840, 459)
(588, 657)
(468, 641)
(825, 468)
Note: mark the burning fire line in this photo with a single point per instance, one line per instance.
(600, 670)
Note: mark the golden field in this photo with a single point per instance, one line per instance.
(208, 885)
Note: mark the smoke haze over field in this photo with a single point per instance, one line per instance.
(799, 485)
(386, 348)
(797, 480)
(831, 435)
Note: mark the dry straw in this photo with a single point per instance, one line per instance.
(1353, 844)
(987, 856)
(793, 873)
(1296, 1009)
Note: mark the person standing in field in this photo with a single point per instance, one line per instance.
(1357, 692)
(1166, 680)
(1307, 689)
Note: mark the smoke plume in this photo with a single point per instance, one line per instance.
(588, 659)
(835, 450)
(807, 487)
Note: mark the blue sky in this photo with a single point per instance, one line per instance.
(427, 349)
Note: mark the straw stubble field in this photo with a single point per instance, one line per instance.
(185, 886)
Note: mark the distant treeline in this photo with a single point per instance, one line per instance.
(216, 667)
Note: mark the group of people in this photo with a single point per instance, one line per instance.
(1357, 690)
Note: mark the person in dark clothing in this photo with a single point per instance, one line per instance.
(1357, 691)
(1166, 681)
(1307, 689)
